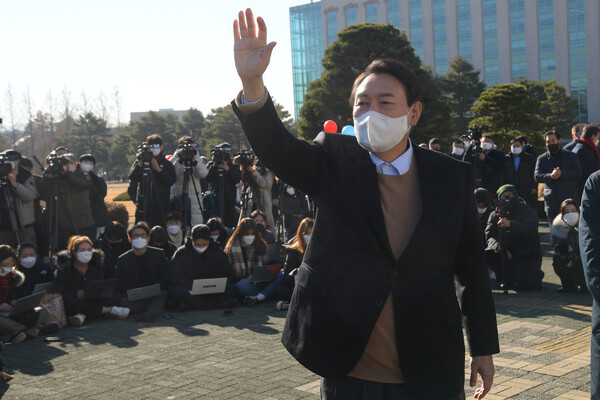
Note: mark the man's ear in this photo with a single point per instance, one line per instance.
(415, 113)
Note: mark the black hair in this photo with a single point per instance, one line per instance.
(6, 252)
(174, 216)
(483, 196)
(201, 231)
(26, 245)
(158, 234)
(154, 139)
(114, 230)
(551, 132)
(589, 131)
(140, 225)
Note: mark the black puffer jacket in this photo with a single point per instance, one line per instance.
(39, 273)
(68, 280)
(188, 265)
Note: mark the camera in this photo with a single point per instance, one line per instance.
(186, 152)
(246, 157)
(55, 163)
(475, 132)
(144, 153)
(220, 154)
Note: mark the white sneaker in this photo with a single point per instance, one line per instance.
(77, 319)
(121, 312)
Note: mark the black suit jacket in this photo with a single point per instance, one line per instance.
(348, 269)
(523, 179)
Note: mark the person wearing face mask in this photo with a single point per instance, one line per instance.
(435, 145)
(218, 232)
(587, 152)
(516, 224)
(174, 224)
(76, 266)
(162, 176)
(567, 260)
(246, 250)
(519, 168)
(483, 200)
(113, 242)
(293, 206)
(21, 188)
(159, 238)
(491, 165)
(143, 266)
(32, 267)
(72, 188)
(458, 150)
(98, 191)
(261, 223)
(260, 181)
(231, 177)
(560, 172)
(200, 258)
(377, 279)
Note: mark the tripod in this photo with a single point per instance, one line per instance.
(186, 206)
(53, 206)
(144, 194)
(244, 204)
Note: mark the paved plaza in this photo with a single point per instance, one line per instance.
(544, 341)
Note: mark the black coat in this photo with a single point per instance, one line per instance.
(588, 160)
(69, 281)
(39, 273)
(188, 265)
(156, 270)
(565, 187)
(98, 192)
(112, 252)
(491, 170)
(349, 270)
(523, 179)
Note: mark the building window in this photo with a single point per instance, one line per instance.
(439, 37)
(463, 13)
(546, 39)
(490, 42)
(416, 27)
(577, 59)
(517, 40)
(350, 16)
(393, 12)
(372, 13)
(331, 27)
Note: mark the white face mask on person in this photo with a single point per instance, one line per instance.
(6, 270)
(571, 218)
(458, 151)
(214, 237)
(516, 150)
(481, 210)
(28, 262)
(87, 166)
(139, 243)
(156, 151)
(173, 229)
(377, 132)
(200, 250)
(290, 191)
(486, 146)
(84, 257)
(247, 240)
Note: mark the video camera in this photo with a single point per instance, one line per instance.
(246, 157)
(5, 167)
(144, 153)
(55, 163)
(220, 154)
(475, 132)
(186, 152)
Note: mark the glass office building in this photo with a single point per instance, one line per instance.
(506, 40)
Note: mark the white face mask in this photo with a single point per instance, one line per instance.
(597, 141)
(155, 151)
(247, 240)
(200, 250)
(139, 243)
(306, 238)
(516, 150)
(481, 210)
(6, 270)
(84, 257)
(28, 262)
(458, 151)
(290, 191)
(214, 237)
(486, 146)
(87, 167)
(173, 229)
(377, 132)
(571, 218)
(466, 143)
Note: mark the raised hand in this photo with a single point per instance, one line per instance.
(251, 52)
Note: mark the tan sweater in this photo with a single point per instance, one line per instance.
(402, 208)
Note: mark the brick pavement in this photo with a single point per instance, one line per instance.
(544, 340)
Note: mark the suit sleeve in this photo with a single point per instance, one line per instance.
(589, 234)
(475, 296)
(572, 168)
(541, 175)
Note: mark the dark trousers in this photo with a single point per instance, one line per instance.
(90, 308)
(357, 389)
(149, 309)
(199, 302)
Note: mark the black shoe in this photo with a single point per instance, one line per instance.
(250, 300)
(49, 328)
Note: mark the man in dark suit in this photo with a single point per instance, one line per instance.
(587, 152)
(518, 170)
(374, 310)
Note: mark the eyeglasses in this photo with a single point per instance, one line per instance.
(138, 235)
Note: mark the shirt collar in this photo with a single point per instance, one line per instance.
(402, 163)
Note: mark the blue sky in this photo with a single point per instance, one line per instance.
(176, 54)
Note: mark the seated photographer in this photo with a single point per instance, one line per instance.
(246, 250)
(295, 253)
(21, 193)
(66, 184)
(293, 206)
(174, 224)
(98, 192)
(113, 242)
(260, 181)
(221, 164)
(159, 238)
(152, 201)
(186, 157)
(514, 225)
(33, 268)
(76, 266)
(200, 258)
(566, 260)
(143, 266)
(218, 233)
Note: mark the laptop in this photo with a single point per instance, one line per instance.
(40, 287)
(143, 292)
(266, 273)
(208, 286)
(101, 289)
(24, 304)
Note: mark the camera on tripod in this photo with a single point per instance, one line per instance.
(6, 167)
(144, 153)
(475, 132)
(186, 152)
(220, 154)
(246, 157)
(55, 163)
